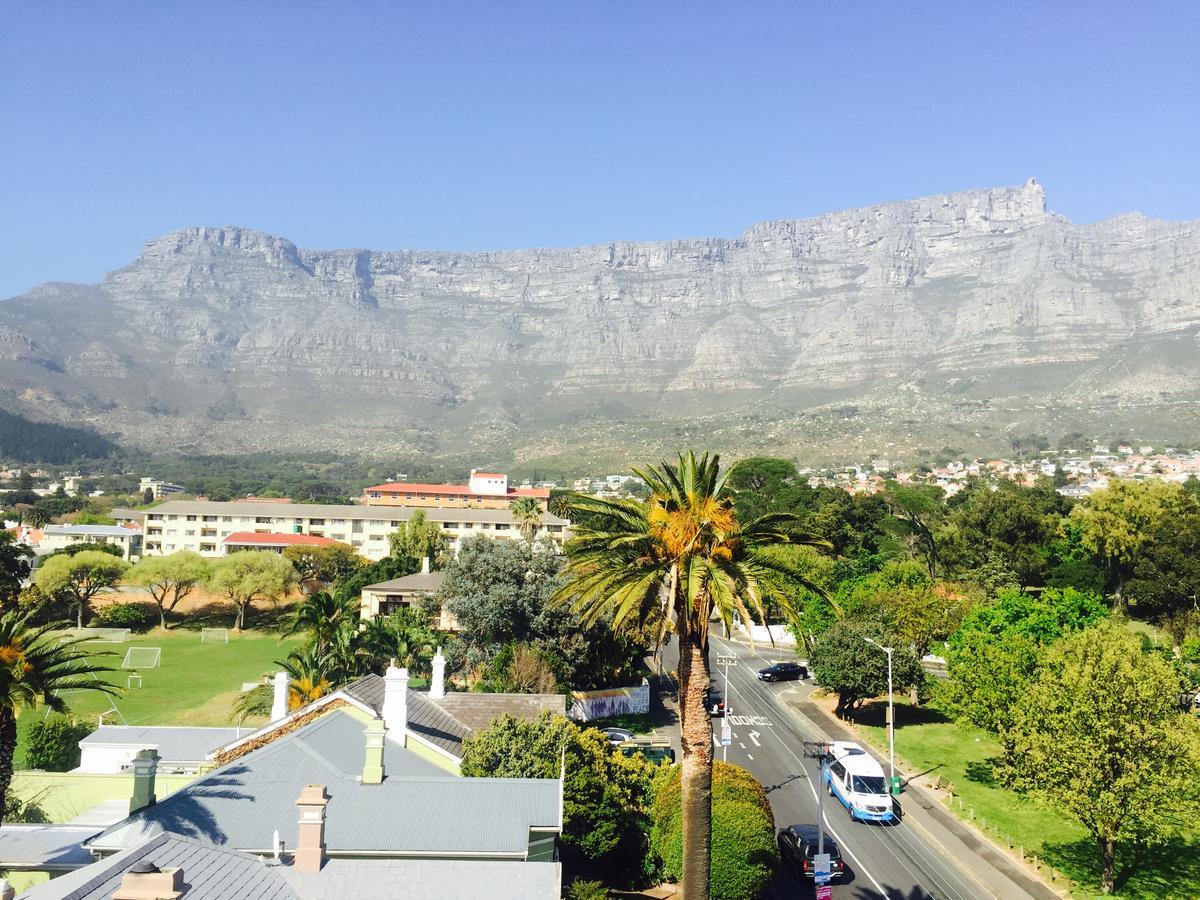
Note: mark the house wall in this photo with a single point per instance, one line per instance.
(64, 795)
(51, 542)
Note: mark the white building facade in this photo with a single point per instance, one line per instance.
(202, 525)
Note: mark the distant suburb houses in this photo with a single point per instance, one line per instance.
(210, 528)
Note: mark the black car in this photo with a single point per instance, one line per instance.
(716, 703)
(783, 671)
(798, 846)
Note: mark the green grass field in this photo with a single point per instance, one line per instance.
(927, 742)
(195, 684)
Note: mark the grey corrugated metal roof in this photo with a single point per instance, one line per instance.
(211, 873)
(331, 511)
(429, 879)
(241, 804)
(425, 718)
(421, 581)
(44, 846)
(173, 743)
(478, 710)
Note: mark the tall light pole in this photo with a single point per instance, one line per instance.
(726, 661)
(891, 713)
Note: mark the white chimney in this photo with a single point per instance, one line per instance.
(425, 566)
(279, 705)
(395, 702)
(437, 687)
(7, 891)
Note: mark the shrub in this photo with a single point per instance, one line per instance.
(743, 831)
(586, 890)
(134, 616)
(53, 744)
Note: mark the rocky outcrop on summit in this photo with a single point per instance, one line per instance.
(241, 335)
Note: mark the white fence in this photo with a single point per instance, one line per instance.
(589, 705)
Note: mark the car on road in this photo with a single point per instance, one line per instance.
(716, 703)
(617, 736)
(656, 751)
(798, 847)
(855, 780)
(783, 671)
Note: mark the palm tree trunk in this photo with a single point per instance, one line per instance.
(8, 749)
(696, 785)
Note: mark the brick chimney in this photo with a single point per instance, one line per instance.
(395, 702)
(145, 881)
(145, 765)
(279, 703)
(310, 830)
(437, 687)
(373, 766)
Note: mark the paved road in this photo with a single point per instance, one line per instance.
(882, 861)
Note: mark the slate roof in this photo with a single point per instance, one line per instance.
(429, 879)
(44, 846)
(211, 873)
(86, 530)
(426, 811)
(449, 721)
(421, 581)
(173, 743)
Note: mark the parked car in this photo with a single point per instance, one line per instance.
(658, 752)
(617, 736)
(716, 703)
(856, 780)
(783, 671)
(798, 846)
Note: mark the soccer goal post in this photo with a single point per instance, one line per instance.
(142, 658)
(109, 635)
(214, 635)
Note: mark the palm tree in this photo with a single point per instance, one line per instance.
(321, 615)
(309, 678)
(35, 667)
(681, 557)
(528, 514)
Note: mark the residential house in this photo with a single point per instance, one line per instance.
(59, 537)
(181, 749)
(386, 597)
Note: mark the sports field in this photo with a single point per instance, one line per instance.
(195, 683)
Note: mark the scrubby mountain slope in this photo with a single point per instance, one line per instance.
(963, 311)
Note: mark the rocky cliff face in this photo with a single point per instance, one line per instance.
(227, 338)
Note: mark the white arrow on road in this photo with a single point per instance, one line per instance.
(754, 736)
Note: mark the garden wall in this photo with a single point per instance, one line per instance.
(589, 705)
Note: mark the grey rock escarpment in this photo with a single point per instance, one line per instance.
(237, 337)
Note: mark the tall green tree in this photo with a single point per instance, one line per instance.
(527, 513)
(1100, 735)
(678, 559)
(79, 578)
(1002, 523)
(1119, 525)
(15, 565)
(844, 662)
(169, 579)
(319, 567)
(919, 509)
(36, 667)
(250, 575)
(420, 539)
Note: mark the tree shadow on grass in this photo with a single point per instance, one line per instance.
(1169, 870)
(984, 772)
(874, 714)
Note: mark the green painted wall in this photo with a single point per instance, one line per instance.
(64, 795)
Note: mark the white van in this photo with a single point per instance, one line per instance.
(857, 782)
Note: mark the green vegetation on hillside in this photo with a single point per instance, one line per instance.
(24, 440)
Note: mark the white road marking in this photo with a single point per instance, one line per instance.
(754, 736)
(748, 756)
(740, 744)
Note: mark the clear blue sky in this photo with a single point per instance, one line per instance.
(510, 124)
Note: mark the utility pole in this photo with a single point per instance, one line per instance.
(726, 661)
(819, 750)
(891, 715)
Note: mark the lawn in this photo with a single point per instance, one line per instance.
(195, 683)
(927, 742)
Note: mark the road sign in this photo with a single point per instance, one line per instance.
(824, 892)
(821, 868)
(726, 734)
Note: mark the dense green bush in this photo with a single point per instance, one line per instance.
(134, 616)
(587, 890)
(53, 744)
(743, 831)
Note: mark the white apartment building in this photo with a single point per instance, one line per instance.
(202, 525)
(59, 537)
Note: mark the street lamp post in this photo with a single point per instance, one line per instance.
(891, 713)
(726, 661)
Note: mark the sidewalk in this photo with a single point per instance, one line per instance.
(994, 870)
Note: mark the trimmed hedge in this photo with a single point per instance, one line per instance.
(744, 853)
(134, 616)
(53, 743)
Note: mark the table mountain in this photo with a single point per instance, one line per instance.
(946, 318)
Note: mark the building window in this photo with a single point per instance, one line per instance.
(395, 524)
(208, 548)
(312, 522)
(226, 518)
(468, 525)
(191, 518)
(209, 519)
(191, 532)
(337, 537)
(500, 526)
(375, 537)
(263, 520)
(448, 525)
